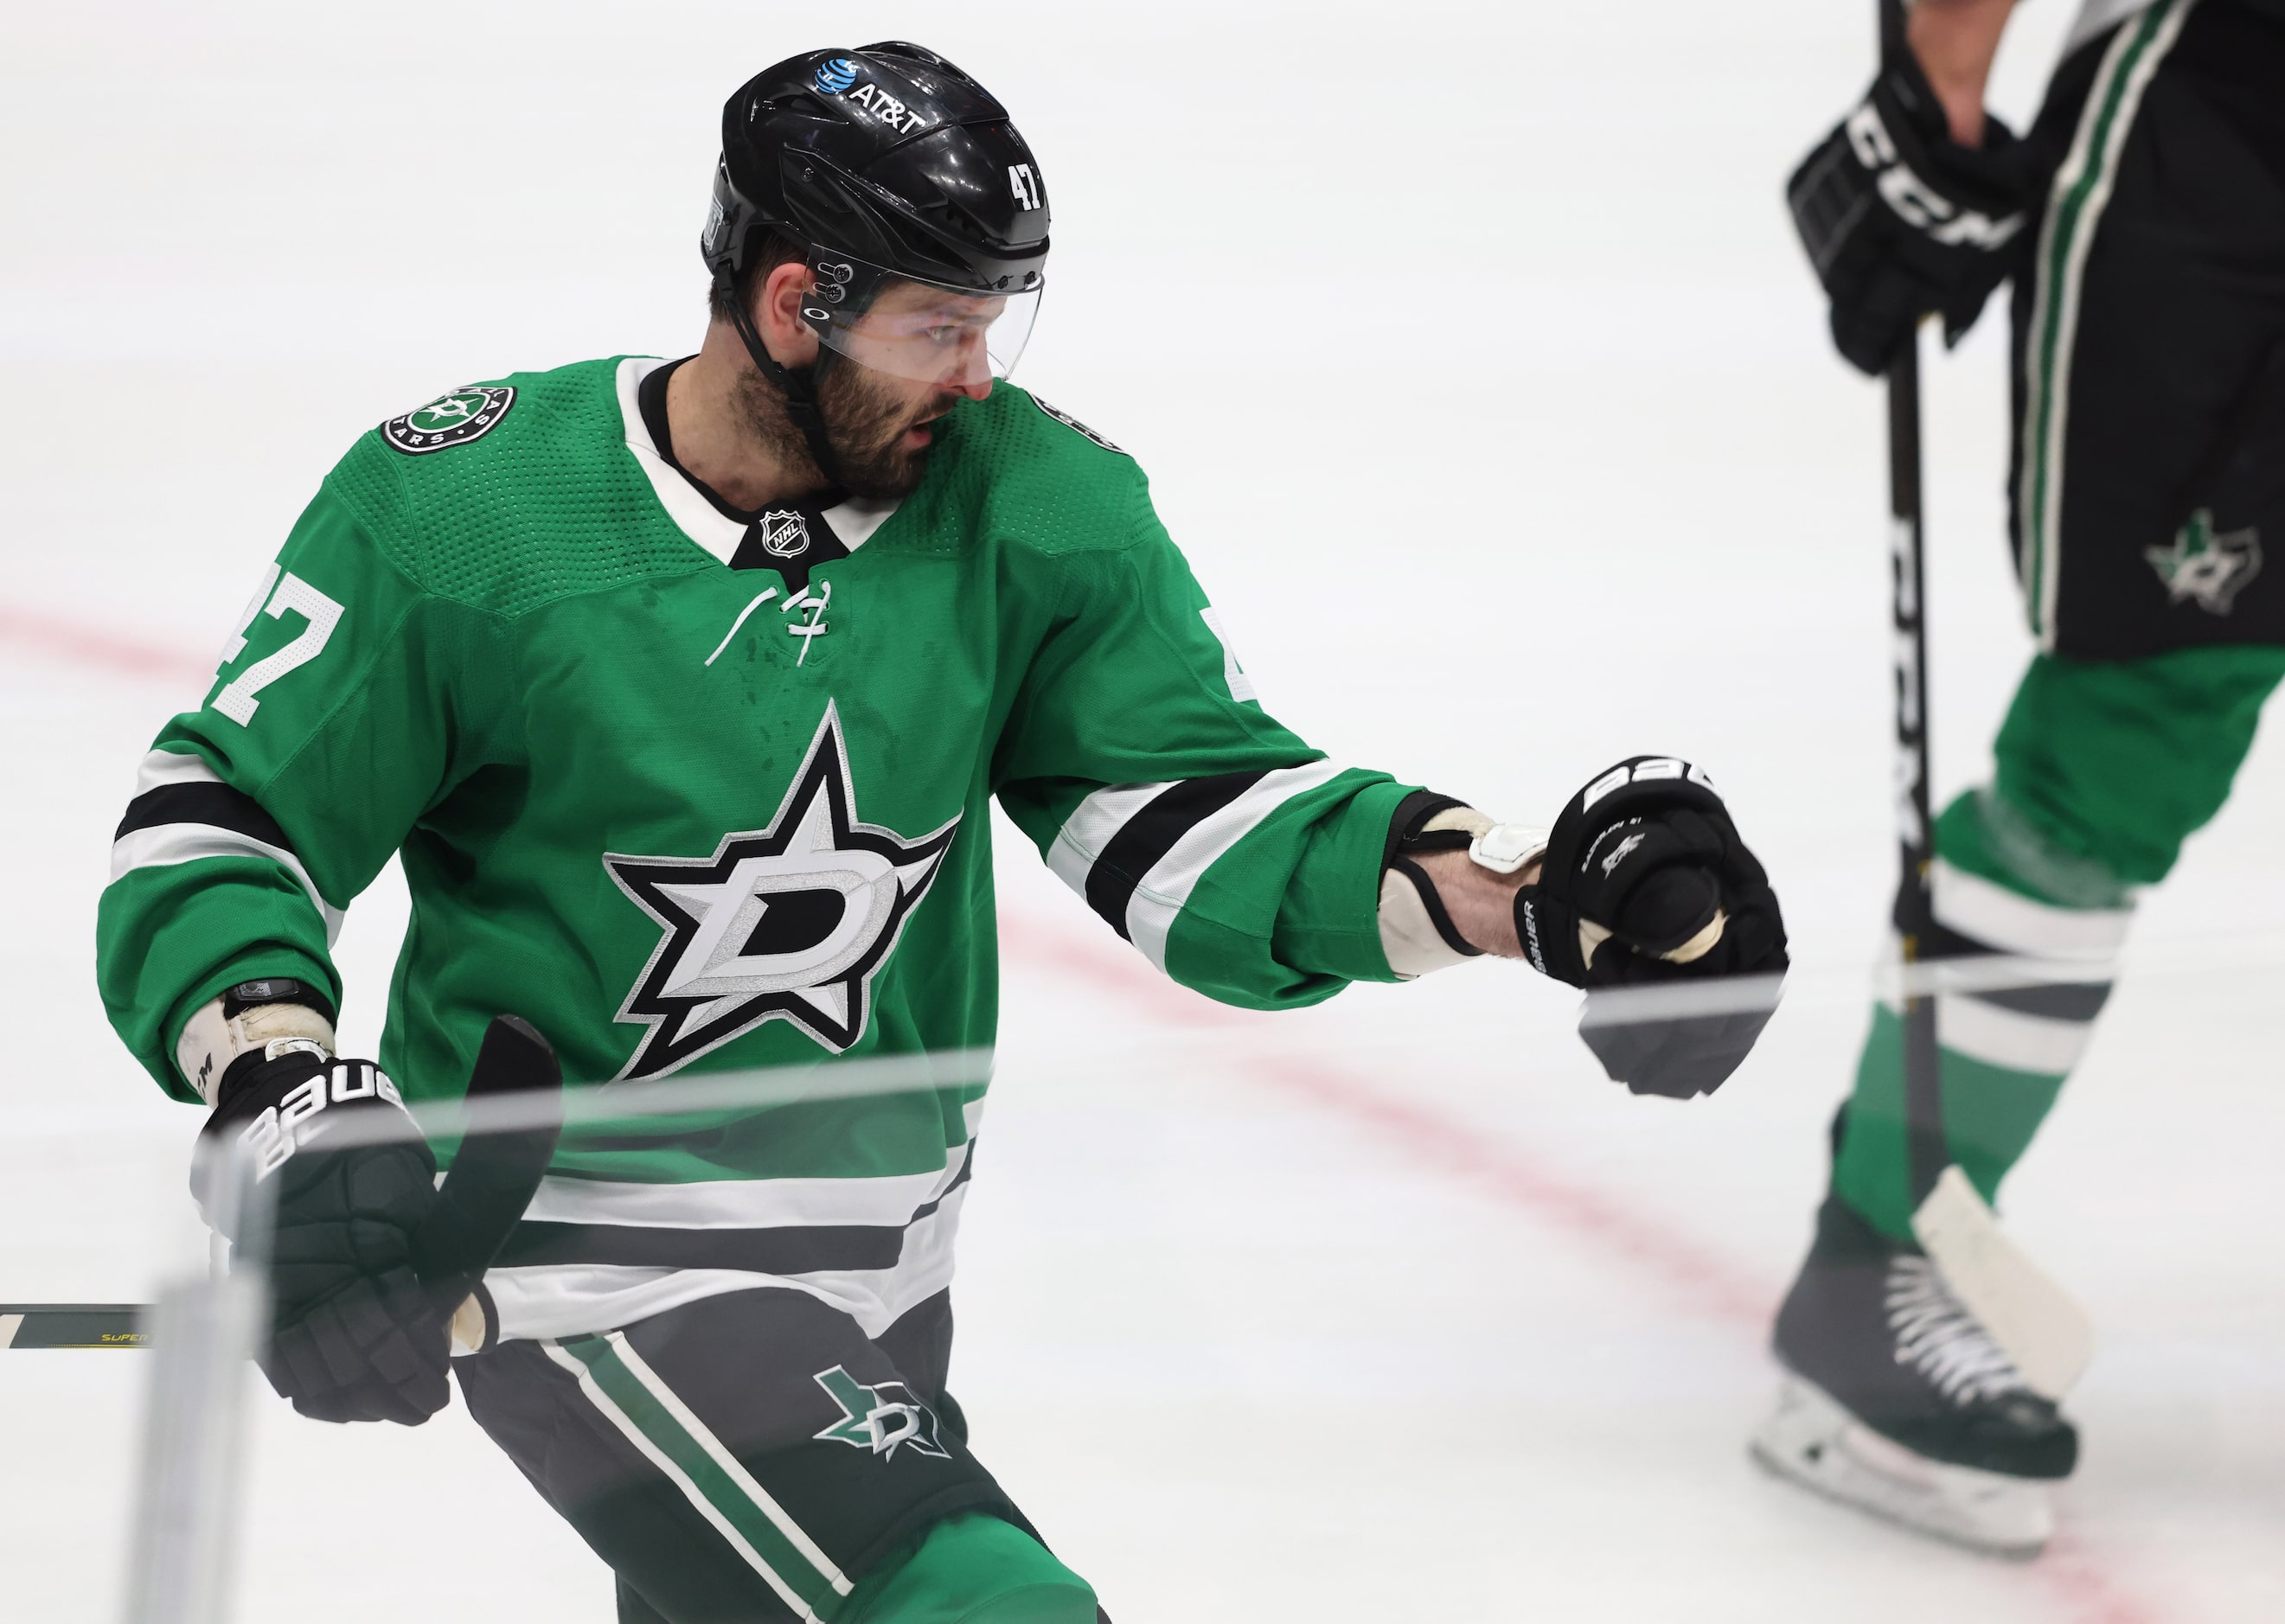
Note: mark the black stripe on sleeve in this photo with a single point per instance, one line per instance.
(217, 806)
(1152, 833)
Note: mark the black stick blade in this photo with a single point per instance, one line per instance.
(74, 1325)
(494, 1176)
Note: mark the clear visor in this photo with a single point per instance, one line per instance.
(928, 334)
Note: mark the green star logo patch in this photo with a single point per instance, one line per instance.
(450, 419)
(2204, 569)
(883, 1419)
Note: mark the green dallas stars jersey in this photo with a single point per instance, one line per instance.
(694, 794)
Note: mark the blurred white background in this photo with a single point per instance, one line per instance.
(1476, 368)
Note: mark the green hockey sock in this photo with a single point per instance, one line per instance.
(2104, 769)
(972, 1569)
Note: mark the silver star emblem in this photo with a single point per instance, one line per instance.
(2205, 566)
(789, 922)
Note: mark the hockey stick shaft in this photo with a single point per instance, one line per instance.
(1915, 829)
(74, 1325)
(491, 1183)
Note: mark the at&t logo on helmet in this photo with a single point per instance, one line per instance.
(888, 109)
(835, 74)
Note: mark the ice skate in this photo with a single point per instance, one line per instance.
(1898, 1402)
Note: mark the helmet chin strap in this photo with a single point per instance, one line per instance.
(797, 384)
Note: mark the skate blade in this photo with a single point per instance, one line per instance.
(1811, 1440)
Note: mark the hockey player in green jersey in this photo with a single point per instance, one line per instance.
(681, 689)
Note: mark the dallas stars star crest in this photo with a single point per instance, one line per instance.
(2205, 566)
(789, 922)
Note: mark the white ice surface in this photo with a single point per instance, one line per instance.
(1476, 369)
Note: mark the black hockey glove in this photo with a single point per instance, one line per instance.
(1901, 221)
(354, 1336)
(370, 1259)
(1645, 883)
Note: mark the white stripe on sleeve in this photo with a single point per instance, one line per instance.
(1090, 826)
(162, 768)
(1160, 897)
(162, 845)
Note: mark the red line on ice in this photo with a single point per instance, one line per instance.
(2073, 1574)
(85, 645)
(1502, 1172)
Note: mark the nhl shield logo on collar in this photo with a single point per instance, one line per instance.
(450, 419)
(783, 534)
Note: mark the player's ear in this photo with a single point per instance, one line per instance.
(777, 314)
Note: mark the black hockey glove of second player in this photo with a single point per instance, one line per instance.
(1902, 222)
(1644, 889)
(369, 1258)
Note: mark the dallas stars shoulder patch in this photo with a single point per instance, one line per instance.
(1076, 427)
(450, 419)
(785, 923)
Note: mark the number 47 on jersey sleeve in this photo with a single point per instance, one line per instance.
(275, 596)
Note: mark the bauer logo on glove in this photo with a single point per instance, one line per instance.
(274, 1135)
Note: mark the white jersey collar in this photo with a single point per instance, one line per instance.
(853, 521)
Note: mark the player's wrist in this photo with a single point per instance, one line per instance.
(264, 1018)
(1479, 901)
(1449, 879)
(1953, 41)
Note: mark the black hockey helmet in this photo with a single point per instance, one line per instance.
(882, 163)
(887, 155)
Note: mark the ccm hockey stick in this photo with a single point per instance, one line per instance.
(2048, 1335)
(491, 1183)
(1915, 834)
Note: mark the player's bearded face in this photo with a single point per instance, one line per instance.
(870, 416)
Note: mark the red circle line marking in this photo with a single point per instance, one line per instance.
(2074, 1576)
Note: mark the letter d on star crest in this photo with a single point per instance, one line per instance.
(789, 922)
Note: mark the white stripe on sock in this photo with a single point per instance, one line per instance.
(1998, 1036)
(2012, 923)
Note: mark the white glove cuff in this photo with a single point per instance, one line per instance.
(1408, 935)
(1505, 847)
(1412, 938)
(210, 1040)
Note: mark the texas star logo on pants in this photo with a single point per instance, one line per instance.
(883, 1419)
(786, 923)
(2206, 568)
